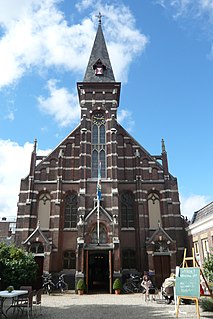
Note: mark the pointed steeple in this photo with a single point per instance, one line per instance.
(99, 68)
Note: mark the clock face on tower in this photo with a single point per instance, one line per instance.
(98, 118)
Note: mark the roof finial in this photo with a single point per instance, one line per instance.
(35, 144)
(163, 145)
(99, 16)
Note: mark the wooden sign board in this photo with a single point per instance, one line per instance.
(188, 282)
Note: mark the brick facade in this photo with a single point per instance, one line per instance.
(135, 186)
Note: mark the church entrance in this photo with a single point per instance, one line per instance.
(98, 271)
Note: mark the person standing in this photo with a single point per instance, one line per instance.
(146, 284)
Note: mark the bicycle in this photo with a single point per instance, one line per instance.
(61, 285)
(48, 285)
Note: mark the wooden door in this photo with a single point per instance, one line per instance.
(162, 269)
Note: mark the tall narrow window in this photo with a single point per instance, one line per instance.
(154, 210)
(128, 259)
(196, 250)
(98, 144)
(127, 210)
(205, 245)
(70, 214)
(44, 206)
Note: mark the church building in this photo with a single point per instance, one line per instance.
(100, 204)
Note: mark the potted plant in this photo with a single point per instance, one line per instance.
(80, 286)
(117, 285)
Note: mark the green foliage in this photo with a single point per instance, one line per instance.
(210, 285)
(207, 304)
(81, 285)
(117, 285)
(17, 267)
(208, 267)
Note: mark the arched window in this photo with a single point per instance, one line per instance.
(44, 205)
(128, 259)
(69, 261)
(102, 235)
(154, 210)
(70, 214)
(127, 210)
(37, 248)
(98, 144)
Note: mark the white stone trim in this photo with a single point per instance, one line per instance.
(169, 190)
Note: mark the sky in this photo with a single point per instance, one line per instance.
(161, 51)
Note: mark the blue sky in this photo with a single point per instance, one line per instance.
(160, 50)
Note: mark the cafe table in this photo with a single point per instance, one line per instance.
(4, 294)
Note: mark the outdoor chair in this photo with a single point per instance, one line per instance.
(28, 288)
(25, 303)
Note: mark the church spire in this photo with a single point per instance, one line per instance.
(99, 68)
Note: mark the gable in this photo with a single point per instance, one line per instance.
(67, 148)
(129, 149)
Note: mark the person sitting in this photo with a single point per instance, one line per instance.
(146, 284)
(168, 288)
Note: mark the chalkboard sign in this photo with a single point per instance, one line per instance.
(188, 282)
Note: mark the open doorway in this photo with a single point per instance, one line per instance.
(98, 271)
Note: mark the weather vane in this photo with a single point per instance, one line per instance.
(99, 16)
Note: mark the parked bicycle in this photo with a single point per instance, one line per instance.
(133, 284)
(61, 285)
(49, 286)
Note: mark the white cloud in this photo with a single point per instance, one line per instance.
(36, 34)
(198, 14)
(11, 172)
(193, 8)
(61, 105)
(192, 203)
(125, 118)
(85, 4)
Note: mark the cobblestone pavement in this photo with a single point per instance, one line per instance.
(106, 306)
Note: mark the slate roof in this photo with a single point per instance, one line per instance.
(99, 51)
(202, 213)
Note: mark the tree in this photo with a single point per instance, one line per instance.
(208, 267)
(17, 267)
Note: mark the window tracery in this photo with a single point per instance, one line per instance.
(70, 213)
(127, 210)
(69, 261)
(154, 210)
(98, 144)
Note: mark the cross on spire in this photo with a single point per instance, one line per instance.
(99, 16)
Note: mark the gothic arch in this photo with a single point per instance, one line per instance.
(154, 173)
(154, 209)
(103, 234)
(127, 209)
(43, 211)
(70, 208)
